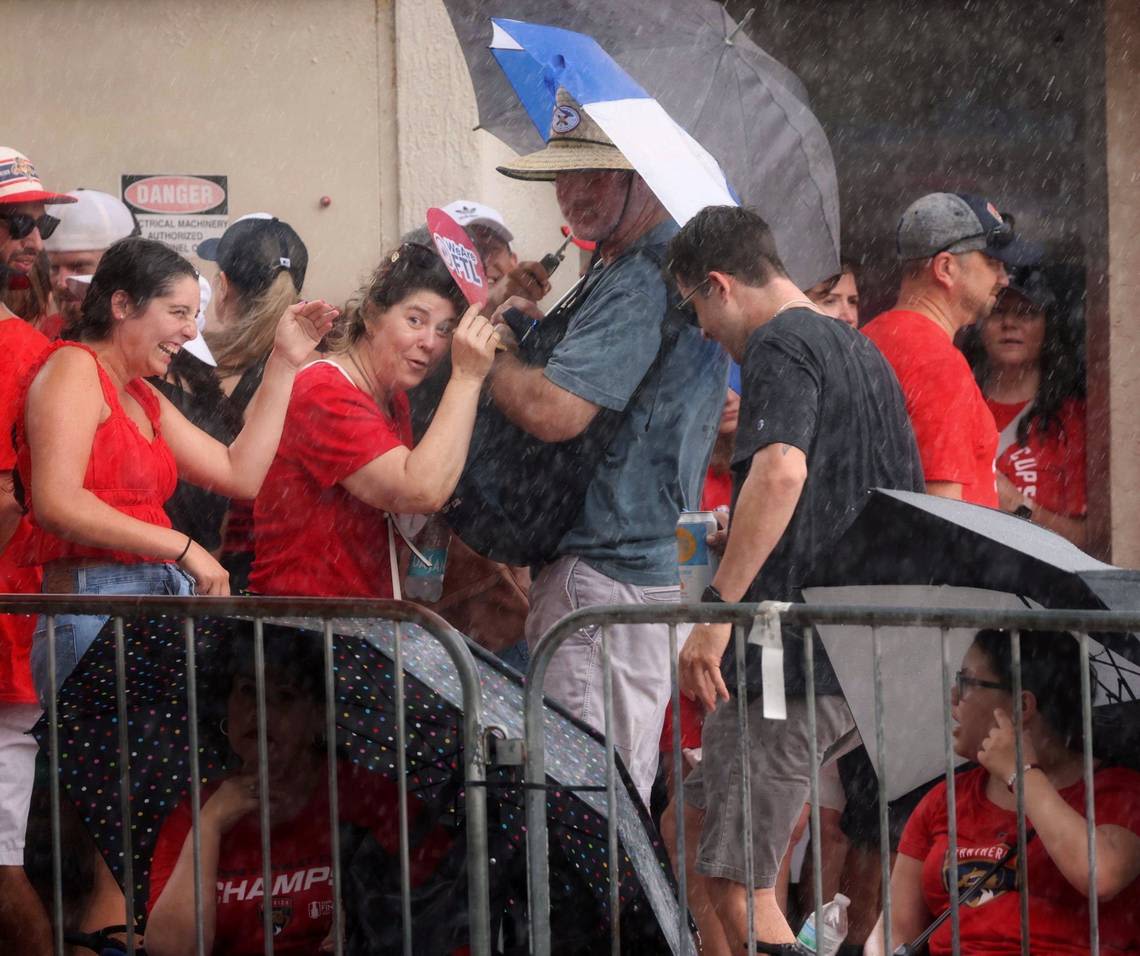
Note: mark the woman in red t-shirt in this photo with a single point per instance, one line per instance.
(99, 450)
(345, 460)
(1026, 358)
(1056, 857)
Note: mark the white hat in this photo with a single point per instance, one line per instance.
(468, 213)
(94, 221)
(196, 346)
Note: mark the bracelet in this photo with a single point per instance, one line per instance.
(1013, 776)
(711, 595)
(189, 541)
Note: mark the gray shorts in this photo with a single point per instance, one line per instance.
(639, 654)
(780, 778)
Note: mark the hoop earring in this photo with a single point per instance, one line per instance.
(224, 727)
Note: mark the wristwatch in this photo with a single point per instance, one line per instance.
(711, 595)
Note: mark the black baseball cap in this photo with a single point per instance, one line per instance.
(254, 249)
(957, 223)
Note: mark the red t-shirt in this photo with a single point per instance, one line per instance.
(20, 346)
(311, 537)
(301, 857)
(1058, 913)
(955, 431)
(1050, 466)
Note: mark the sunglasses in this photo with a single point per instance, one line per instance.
(997, 237)
(963, 682)
(20, 224)
(686, 303)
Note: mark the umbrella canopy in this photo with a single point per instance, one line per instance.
(90, 766)
(912, 550)
(744, 108)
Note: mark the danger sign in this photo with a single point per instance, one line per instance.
(178, 210)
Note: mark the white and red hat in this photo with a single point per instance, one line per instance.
(19, 182)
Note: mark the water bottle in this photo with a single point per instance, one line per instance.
(834, 928)
(425, 581)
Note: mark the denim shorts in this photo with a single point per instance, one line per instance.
(75, 633)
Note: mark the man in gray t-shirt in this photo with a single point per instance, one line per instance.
(621, 549)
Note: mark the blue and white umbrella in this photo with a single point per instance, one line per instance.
(746, 110)
(539, 59)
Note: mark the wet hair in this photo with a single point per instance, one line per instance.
(1062, 366)
(142, 268)
(248, 338)
(725, 239)
(847, 267)
(410, 268)
(1050, 669)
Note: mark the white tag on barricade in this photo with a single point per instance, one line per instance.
(766, 635)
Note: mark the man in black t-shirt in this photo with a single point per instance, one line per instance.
(822, 421)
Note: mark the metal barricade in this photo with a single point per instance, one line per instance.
(743, 617)
(261, 610)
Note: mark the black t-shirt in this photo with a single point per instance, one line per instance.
(816, 383)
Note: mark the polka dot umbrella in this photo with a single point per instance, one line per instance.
(91, 769)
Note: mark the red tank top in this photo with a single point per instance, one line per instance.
(131, 474)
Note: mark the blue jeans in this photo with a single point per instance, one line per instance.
(75, 633)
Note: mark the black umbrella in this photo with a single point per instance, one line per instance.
(913, 550)
(90, 771)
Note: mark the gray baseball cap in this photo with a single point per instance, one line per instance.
(959, 222)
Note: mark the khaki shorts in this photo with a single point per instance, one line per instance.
(780, 777)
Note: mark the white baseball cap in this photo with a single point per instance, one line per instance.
(469, 213)
(94, 220)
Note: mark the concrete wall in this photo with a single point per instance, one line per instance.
(1122, 158)
(365, 101)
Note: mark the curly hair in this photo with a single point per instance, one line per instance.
(1062, 365)
(412, 267)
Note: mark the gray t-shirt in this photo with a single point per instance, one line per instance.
(656, 463)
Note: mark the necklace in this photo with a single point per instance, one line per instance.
(369, 383)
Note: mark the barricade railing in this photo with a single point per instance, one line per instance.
(760, 624)
(323, 612)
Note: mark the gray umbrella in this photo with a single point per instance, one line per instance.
(748, 110)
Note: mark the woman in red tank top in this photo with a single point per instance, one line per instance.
(100, 450)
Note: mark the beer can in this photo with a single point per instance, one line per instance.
(696, 562)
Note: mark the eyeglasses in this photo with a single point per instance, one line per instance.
(684, 304)
(20, 224)
(963, 682)
(997, 237)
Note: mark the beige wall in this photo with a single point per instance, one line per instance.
(366, 101)
(1122, 121)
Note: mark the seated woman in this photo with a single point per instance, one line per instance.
(346, 460)
(1057, 857)
(302, 893)
(99, 450)
(1026, 358)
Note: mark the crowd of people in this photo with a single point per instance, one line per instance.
(164, 434)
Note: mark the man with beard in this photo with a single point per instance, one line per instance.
(23, 227)
(954, 250)
(86, 230)
(615, 360)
